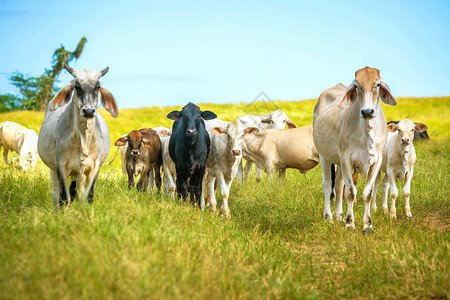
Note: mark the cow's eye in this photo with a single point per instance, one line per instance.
(412, 130)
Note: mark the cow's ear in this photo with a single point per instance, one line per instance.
(121, 141)
(164, 133)
(350, 96)
(174, 115)
(218, 130)
(385, 94)
(250, 130)
(108, 102)
(290, 124)
(62, 97)
(392, 127)
(420, 127)
(208, 115)
(265, 120)
(146, 143)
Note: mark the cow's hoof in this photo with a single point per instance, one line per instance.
(328, 218)
(368, 230)
(351, 229)
(393, 215)
(340, 218)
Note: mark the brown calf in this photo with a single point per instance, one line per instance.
(143, 155)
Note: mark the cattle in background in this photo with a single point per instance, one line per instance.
(189, 149)
(74, 138)
(168, 166)
(275, 120)
(399, 157)
(350, 131)
(223, 161)
(23, 141)
(275, 150)
(143, 157)
(418, 136)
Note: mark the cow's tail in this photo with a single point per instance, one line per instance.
(333, 179)
(110, 162)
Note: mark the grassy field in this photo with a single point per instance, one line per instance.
(128, 245)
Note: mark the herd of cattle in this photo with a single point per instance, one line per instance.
(200, 152)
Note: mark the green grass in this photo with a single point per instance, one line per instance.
(128, 245)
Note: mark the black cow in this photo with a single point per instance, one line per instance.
(189, 149)
(418, 136)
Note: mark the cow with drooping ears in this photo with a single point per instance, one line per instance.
(189, 147)
(74, 138)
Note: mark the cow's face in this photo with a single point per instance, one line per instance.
(86, 87)
(277, 120)
(367, 88)
(135, 141)
(235, 136)
(191, 117)
(405, 131)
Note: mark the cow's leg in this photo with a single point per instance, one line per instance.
(339, 187)
(240, 172)
(406, 192)
(195, 186)
(151, 180)
(55, 189)
(367, 195)
(258, 174)
(394, 193)
(375, 190)
(130, 177)
(5, 155)
(157, 176)
(326, 186)
(225, 193)
(62, 185)
(282, 174)
(143, 180)
(91, 181)
(210, 182)
(385, 190)
(247, 169)
(350, 190)
(182, 185)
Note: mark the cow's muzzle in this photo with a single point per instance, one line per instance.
(191, 132)
(367, 113)
(88, 112)
(135, 152)
(236, 152)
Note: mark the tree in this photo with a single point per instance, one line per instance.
(38, 91)
(8, 103)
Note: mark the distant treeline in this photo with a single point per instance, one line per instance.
(35, 92)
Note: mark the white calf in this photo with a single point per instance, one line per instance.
(399, 157)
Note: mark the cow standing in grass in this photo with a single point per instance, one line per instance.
(189, 148)
(350, 131)
(74, 138)
(142, 157)
(399, 157)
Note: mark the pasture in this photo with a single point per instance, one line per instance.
(130, 245)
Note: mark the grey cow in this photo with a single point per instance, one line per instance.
(74, 138)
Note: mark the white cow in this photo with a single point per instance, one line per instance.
(168, 165)
(74, 138)
(399, 157)
(350, 131)
(222, 163)
(23, 141)
(275, 150)
(275, 120)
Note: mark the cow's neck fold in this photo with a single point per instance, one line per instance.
(84, 130)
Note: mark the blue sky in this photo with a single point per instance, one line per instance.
(171, 52)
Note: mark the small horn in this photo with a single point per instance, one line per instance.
(69, 69)
(104, 71)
